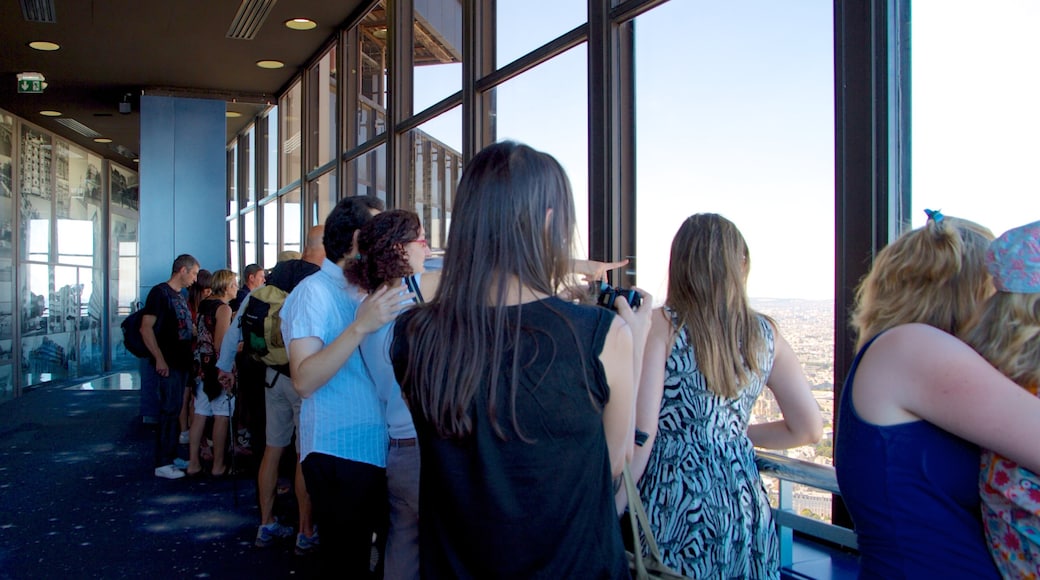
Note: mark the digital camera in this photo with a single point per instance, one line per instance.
(607, 295)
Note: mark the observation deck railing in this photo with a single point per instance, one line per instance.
(788, 472)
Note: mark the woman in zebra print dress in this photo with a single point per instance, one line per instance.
(707, 359)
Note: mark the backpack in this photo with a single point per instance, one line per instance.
(132, 339)
(261, 320)
(262, 326)
(205, 350)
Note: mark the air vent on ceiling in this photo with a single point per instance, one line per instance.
(78, 127)
(250, 17)
(38, 10)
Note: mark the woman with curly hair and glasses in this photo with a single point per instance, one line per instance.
(392, 247)
(918, 403)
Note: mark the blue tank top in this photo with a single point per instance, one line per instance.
(912, 491)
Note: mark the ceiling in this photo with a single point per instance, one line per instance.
(116, 50)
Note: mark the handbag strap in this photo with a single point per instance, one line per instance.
(640, 523)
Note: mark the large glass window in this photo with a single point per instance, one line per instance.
(271, 152)
(324, 81)
(436, 148)
(232, 179)
(738, 120)
(123, 267)
(547, 108)
(323, 192)
(36, 190)
(290, 114)
(436, 51)
(975, 118)
(369, 171)
(269, 215)
(249, 246)
(292, 220)
(372, 74)
(524, 25)
(248, 166)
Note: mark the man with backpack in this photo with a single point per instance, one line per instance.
(166, 329)
(258, 328)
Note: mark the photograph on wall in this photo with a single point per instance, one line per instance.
(6, 153)
(62, 193)
(6, 184)
(124, 188)
(35, 158)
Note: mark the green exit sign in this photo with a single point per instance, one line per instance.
(34, 86)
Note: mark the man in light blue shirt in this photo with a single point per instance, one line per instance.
(343, 434)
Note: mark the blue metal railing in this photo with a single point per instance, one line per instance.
(794, 471)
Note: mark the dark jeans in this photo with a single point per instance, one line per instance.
(171, 397)
(349, 505)
(149, 389)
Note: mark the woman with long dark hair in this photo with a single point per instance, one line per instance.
(523, 402)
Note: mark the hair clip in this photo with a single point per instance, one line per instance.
(935, 215)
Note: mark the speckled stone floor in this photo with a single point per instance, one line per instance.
(78, 497)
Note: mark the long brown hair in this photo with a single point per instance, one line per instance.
(512, 221)
(707, 277)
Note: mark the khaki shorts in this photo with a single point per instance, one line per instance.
(283, 410)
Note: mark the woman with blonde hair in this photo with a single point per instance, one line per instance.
(211, 399)
(917, 405)
(1007, 334)
(707, 359)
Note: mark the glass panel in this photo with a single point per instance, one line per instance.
(436, 166)
(269, 215)
(323, 119)
(370, 170)
(6, 381)
(248, 161)
(45, 334)
(232, 178)
(249, 237)
(372, 77)
(292, 220)
(79, 212)
(698, 133)
(271, 180)
(323, 192)
(233, 244)
(436, 51)
(523, 25)
(123, 276)
(974, 146)
(289, 133)
(555, 122)
(36, 190)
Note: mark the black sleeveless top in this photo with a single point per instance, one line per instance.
(542, 508)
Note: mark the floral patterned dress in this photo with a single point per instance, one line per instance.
(1011, 514)
(703, 494)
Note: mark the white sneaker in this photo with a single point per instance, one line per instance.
(184, 438)
(168, 472)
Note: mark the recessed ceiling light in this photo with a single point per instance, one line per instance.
(232, 114)
(102, 140)
(44, 45)
(51, 113)
(272, 64)
(301, 24)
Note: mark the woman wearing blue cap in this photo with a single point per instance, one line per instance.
(1007, 333)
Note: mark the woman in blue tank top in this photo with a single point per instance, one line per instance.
(918, 403)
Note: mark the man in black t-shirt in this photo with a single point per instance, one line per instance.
(166, 328)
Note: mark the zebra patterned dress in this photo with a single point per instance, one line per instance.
(702, 492)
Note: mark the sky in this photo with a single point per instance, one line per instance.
(735, 115)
